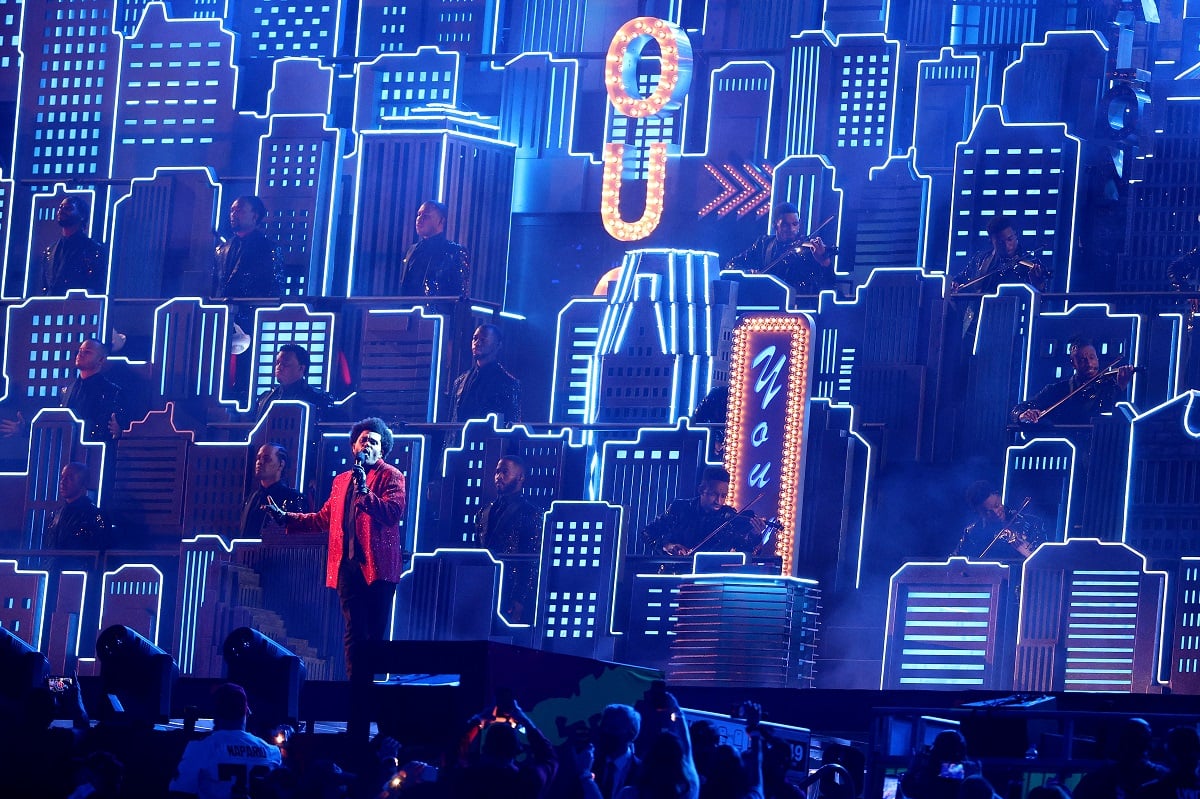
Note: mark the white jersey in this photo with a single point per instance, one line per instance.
(222, 765)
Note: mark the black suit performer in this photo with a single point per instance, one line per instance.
(512, 525)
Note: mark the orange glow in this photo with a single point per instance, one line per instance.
(743, 421)
(620, 67)
(605, 280)
(610, 193)
(620, 81)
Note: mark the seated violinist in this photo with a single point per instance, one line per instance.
(998, 533)
(1079, 398)
(705, 523)
(1005, 262)
(803, 262)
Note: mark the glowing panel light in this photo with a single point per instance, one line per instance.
(769, 383)
(620, 81)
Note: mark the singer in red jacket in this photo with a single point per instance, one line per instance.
(362, 517)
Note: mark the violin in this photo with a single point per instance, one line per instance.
(1088, 390)
(773, 525)
(1016, 532)
(1017, 539)
(750, 542)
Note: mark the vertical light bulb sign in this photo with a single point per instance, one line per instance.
(620, 80)
(769, 381)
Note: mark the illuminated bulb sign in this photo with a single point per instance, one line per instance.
(769, 383)
(620, 80)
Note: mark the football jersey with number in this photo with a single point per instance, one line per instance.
(222, 765)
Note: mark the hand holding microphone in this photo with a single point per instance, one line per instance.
(358, 473)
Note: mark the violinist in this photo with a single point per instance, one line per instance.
(1005, 262)
(1087, 393)
(804, 262)
(704, 523)
(998, 533)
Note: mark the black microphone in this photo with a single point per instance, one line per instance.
(360, 472)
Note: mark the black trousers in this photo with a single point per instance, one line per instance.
(367, 609)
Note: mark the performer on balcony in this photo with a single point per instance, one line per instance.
(487, 387)
(270, 464)
(704, 523)
(1004, 262)
(998, 533)
(1087, 393)
(804, 262)
(435, 266)
(93, 397)
(74, 261)
(248, 265)
(291, 383)
(78, 524)
(512, 525)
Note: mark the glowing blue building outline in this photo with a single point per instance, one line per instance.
(190, 604)
(1063, 235)
(112, 573)
(1016, 450)
(39, 620)
(891, 609)
(1160, 632)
